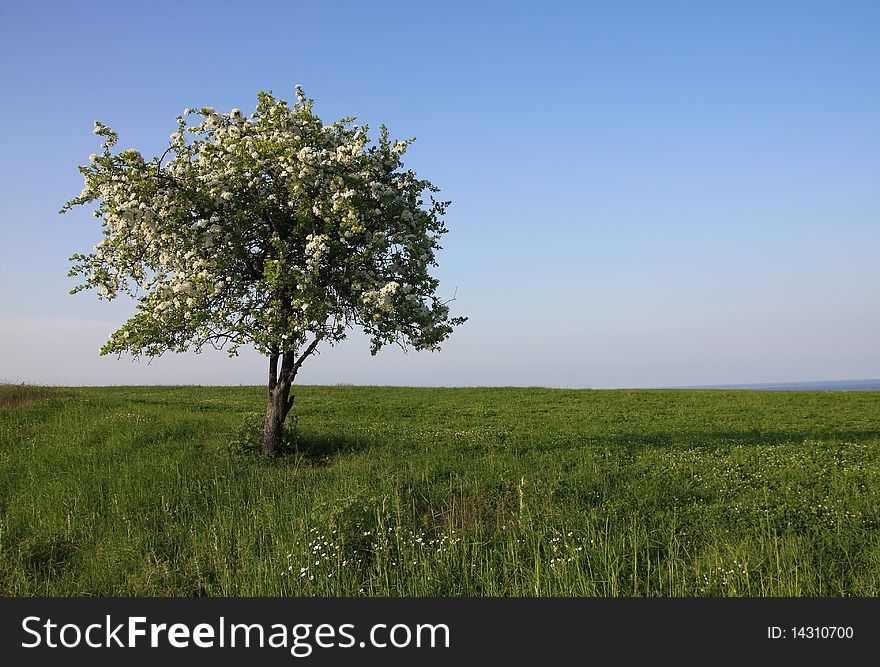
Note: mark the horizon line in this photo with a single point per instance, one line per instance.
(865, 384)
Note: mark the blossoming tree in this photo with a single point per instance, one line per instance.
(273, 230)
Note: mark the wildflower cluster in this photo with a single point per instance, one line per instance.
(724, 578)
(399, 543)
(325, 558)
(328, 557)
(564, 550)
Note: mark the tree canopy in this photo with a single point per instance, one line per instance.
(272, 229)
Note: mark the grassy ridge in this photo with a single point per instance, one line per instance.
(442, 492)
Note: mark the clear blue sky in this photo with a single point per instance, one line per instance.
(645, 193)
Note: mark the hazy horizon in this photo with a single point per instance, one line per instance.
(644, 194)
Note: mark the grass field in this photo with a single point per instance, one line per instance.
(441, 492)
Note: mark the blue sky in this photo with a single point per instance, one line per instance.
(644, 193)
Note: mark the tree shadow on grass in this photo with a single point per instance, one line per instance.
(319, 449)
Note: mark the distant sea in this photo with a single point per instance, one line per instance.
(824, 385)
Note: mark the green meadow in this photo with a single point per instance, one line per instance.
(151, 491)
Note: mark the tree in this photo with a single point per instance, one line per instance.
(272, 230)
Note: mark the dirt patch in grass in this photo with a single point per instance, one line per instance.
(16, 394)
(486, 510)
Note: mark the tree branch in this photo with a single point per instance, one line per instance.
(290, 364)
(159, 163)
(306, 353)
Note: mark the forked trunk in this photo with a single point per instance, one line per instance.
(280, 400)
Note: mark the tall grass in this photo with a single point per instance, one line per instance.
(442, 492)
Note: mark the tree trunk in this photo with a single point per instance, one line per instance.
(280, 400)
(276, 412)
